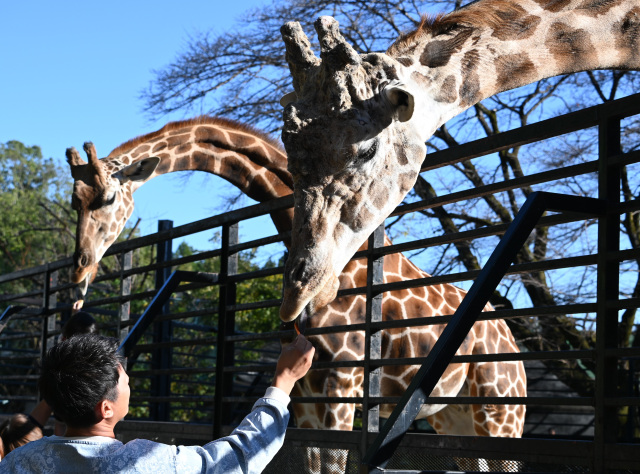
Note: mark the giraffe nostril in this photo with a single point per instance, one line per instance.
(298, 272)
(82, 260)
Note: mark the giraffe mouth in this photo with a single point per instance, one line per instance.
(303, 301)
(83, 286)
(84, 275)
(300, 323)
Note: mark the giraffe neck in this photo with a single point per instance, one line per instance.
(495, 45)
(248, 159)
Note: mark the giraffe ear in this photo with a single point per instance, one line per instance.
(138, 171)
(288, 98)
(401, 100)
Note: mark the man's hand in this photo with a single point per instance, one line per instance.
(77, 306)
(293, 364)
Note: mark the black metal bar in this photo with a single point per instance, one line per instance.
(124, 309)
(405, 412)
(226, 326)
(373, 338)
(49, 300)
(162, 359)
(606, 420)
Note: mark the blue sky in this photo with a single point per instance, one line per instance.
(72, 71)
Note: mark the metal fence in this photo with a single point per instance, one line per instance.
(199, 366)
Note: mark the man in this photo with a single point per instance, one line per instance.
(83, 380)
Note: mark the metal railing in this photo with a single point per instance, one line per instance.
(232, 364)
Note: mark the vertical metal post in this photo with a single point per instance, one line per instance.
(373, 340)
(49, 301)
(226, 327)
(607, 290)
(124, 312)
(161, 358)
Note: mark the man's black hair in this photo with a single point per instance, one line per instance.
(77, 374)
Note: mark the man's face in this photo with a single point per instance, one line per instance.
(121, 405)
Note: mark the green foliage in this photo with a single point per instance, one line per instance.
(36, 221)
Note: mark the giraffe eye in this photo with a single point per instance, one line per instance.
(369, 153)
(102, 201)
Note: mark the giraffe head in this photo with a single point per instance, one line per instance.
(355, 150)
(102, 198)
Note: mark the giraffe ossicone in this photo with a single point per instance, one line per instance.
(356, 127)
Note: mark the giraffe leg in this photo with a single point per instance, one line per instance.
(493, 379)
(336, 416)
(504, 379)
(486, 380)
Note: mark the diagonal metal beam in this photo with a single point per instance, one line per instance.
(155, 307)
(407, 409)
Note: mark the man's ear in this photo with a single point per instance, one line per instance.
(104, 409)
(138, 171)
(401, 99)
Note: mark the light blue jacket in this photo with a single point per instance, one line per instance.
(248, 449)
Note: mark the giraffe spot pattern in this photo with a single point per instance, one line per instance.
(207, 135)
(626, 34)
(406, 180)
(159, 147)
(164, 166)
(357, 216)
(140, 150)
(182, 164)
(470, 87)
(241, 141)
(553, 5)
(595, 8)
(447, 92)
(378, 192)
(515, 24)
(571, 46)
(177, 140)
(184, 148)
(422, 80)
(200, 160)
(401, 155)
(437, 53)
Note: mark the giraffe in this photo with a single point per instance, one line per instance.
(355, 126)
(257, 165)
